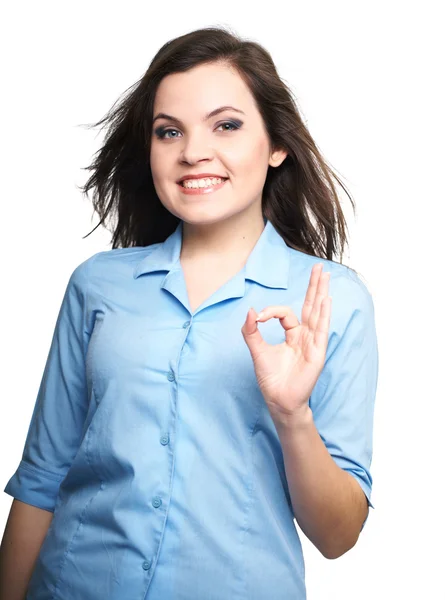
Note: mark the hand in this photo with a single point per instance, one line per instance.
(287, 372)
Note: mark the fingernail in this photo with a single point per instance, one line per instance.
(260, 316)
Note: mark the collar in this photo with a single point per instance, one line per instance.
(267, 264)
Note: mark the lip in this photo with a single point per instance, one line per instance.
(199, 191)
(200, 176)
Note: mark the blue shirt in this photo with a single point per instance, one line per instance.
(150, 439)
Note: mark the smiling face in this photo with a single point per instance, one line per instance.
(232, 144)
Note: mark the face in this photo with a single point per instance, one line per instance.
(232, 144)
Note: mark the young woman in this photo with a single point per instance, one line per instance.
(212, 377)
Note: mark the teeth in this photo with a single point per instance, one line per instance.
(200, 183)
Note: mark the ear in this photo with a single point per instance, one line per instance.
(277, 157)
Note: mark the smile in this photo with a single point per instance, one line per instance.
(201, 186)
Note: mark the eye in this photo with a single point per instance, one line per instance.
(233, 125)
(162, 131)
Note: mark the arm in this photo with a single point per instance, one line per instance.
(328, 503)
(23, 536)
(327, 453)
(56, 427)
(53, 439)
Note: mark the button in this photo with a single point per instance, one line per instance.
(165, 439)
(146, 565)
(186, 324)
(171, 376)
(157, 502)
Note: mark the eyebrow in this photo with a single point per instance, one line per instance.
(206, 118)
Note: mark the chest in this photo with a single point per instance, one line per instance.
(203, 282)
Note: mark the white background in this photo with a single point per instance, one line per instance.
(368, 79)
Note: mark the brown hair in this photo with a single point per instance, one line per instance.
(299, 196)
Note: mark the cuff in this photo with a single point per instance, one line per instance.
(34, 486)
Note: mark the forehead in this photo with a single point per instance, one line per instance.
(202, 89)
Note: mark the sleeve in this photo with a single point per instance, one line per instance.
(56, 425)
(343, 399)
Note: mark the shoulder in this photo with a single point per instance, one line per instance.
(108, 265)
(347, 288)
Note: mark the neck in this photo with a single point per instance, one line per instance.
(230, 240)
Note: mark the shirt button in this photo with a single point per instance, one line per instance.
(146, 565)
(157, 502)
(186, 324)
(171, 376)
(165, 439)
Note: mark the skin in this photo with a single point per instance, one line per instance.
(227, 223)
(288, 372)
(23, 537)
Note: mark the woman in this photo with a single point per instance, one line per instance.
(177, 431)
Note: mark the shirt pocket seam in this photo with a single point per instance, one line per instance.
(87, 447)
(70, 543)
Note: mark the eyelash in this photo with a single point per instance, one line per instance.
(161, 131)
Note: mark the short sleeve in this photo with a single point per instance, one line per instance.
(60, 409)
(343, 399)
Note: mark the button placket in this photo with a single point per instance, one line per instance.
(164, 440)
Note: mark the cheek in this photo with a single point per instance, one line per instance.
(261, 152)
(158, 166)
(248, 155)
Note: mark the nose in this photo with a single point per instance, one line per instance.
(196, 148)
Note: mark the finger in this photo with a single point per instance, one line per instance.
(322, 292)
(311, 293)
(252, 335)
(322, 331)
(288, 318)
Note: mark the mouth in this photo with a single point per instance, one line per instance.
(208, 189)
(181, 183)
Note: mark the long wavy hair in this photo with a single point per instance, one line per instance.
(299, 196)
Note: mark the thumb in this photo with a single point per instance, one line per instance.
(251, 333)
